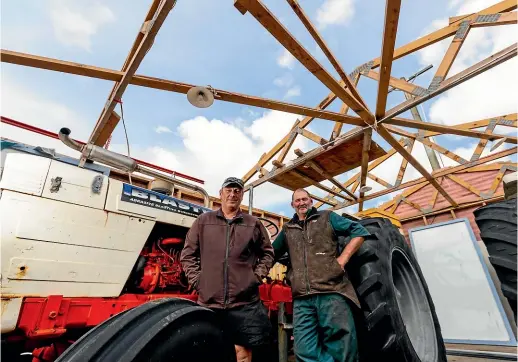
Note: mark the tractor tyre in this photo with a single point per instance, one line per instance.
(399, 319)
(169, 329)
(498, 230)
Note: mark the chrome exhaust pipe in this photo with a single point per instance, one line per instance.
(125, 163)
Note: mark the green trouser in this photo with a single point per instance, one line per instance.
(323, 329)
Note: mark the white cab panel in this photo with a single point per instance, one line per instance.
(52, 247)
(76, 185)
(24, 173)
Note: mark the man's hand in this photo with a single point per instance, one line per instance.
(342, 260)
(349, 250)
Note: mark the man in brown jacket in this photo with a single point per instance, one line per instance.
(227, 254)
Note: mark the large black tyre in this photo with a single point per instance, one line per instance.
(399, 319)
(497, 224)
(163, 330)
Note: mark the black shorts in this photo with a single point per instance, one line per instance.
(247, 325)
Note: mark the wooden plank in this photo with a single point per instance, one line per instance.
(508, 120)
(440, 129)
(441, 34)
(465, 184)
(131, 68)
(310, 155)
(372, 166)
(404, 164)
(428, 143)
(311, 136)
(289, 143)
(314, 165)
(263, 15)
(11, 57)
(443, 172)
(411, 203)
(317, 184)
(396, 83)
(387, 50)
(392, 141)
(343, 110)
(106, 132)
(325, 49)
(322, 200)
(482, 143)
(470, 72)
(451, 53)
(367, 138)
(497, 179)
(378, 180)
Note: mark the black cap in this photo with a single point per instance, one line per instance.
(233, 181)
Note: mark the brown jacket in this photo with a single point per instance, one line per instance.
(225, 261)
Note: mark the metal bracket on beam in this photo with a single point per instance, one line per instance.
(361, 68)
(144, 29)
(436, 82)
(463, 30)
(489, 18)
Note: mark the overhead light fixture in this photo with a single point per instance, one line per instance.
(200, 97)
(365, 189)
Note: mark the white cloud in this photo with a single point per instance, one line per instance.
(292, 92)
(335, 12)
(214, 150)
(76, 22)
(21, 104)
(286, 60)
(285, 81)
(489, 94)
(162, 129)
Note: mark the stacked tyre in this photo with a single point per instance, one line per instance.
(399, 319)
(498, 231)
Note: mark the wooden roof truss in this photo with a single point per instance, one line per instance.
(382, 121)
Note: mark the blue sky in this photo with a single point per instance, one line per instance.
(209, 42)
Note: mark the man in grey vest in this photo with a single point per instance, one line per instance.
(323, 324)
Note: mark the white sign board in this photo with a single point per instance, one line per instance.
(465, 298)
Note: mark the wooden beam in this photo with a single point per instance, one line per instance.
(378, 180)
(387, 51)
(436, 175)
(434, 199)
(315, 166)
(497, 180)
(441, 129)
(323, 200)
(367, 138)
(325, 49)
(270, 154)
(289, 143)
(441, 34)
(311, 136)
(480, 67)
(343, 110)
(392, 141)
(451, 53)
(8, 56)
(428, 143)
(404, 164)
(315, 183)
(508, 120)
(372, 166)
(396, 83)
(483, 142)
(465, 184)
(131, 67)
(106, 132)
(283, 36)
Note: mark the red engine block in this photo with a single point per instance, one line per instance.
(163, 268)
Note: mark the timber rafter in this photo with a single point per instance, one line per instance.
(378, 122)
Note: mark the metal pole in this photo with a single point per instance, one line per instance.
(250, 200)
(282, 335)
(432, 156)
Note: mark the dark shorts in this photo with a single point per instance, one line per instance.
(247, 325)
